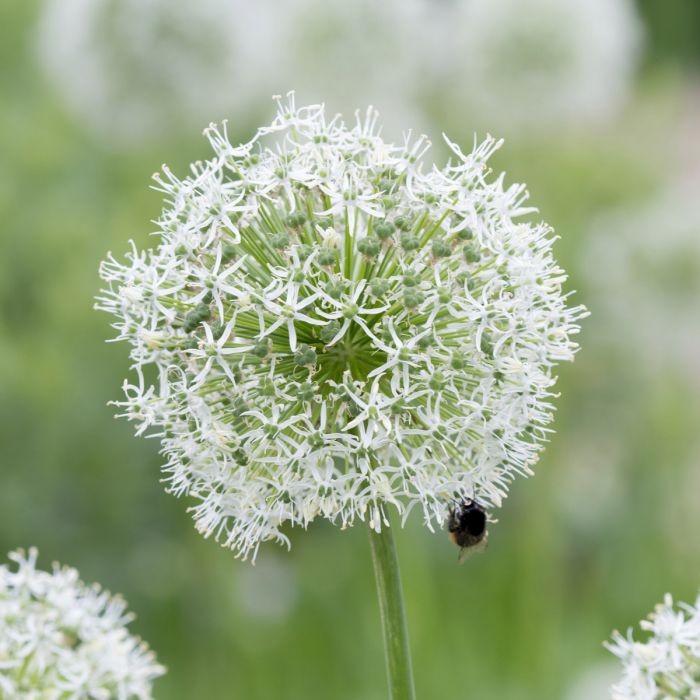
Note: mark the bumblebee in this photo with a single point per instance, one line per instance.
(466, 525)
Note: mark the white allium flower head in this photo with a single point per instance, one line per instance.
(60, 638)
(327, 328)
(538, 64)
(667, 664)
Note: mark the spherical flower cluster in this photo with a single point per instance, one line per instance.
(667, 665)
(62, 639)
(326, 329)
(539, 64)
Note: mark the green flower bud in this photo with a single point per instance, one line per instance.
(412, 298)
(441, 249)
(403, 223)
(295, 219)
(379, 287)
(409, 241)
(305, 355)
(304, 250)
(335, 289)
(458, 361)
(326, 257)
(426, 341)
(329, 331)
(384, 230)
(369, 247)
(437, 381)
(471, 254)
(261, 349)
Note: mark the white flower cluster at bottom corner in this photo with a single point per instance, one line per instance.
(60, 638)
(667, 664)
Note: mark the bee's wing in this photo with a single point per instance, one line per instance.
(466, 552)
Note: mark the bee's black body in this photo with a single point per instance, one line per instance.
(466, 523)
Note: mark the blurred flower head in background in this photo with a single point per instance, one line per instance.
(334, 330)
(131, 69)
(642, 265)
(135, 69)
(536, 64)
(362, 52)
(61, 638)
(667, 664)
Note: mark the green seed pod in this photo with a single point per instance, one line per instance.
(326, 257)
(409, 241)
(323, 221)
(412, 298)
(305, 355)
(384, 230)
(329, 331)
(261, 349)
(437, 381)
(471, 254)
(335, 289)
(440, 248)
(426, 341)
(369, 247)
(379, 287)
(458, 361)
(303, 251)
(403, 223)
(306, 391)
(444, 295)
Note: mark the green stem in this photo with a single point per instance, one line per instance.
(398, 656)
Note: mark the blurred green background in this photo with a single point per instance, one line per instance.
(609, 523)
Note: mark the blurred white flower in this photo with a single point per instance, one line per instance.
(135, 68)
(594, 683)
(345, 53)
(667, 664)
(269, 590)
(62, 639)
(643, 269)
(406, 359)
(536, 64)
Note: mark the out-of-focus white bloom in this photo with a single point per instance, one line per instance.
(667, 664)
(135, 68)
(363, 51)
(62, 639)
(406, 358)
(269, 590)
(643, 270)
(594, 683)
(536, 64)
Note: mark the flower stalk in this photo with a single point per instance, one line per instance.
(394, 628)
